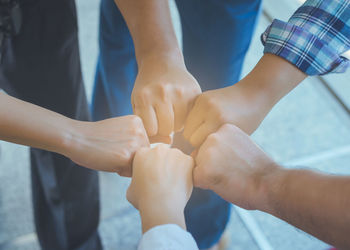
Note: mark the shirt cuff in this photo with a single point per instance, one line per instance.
(303, 49)
(167, 237)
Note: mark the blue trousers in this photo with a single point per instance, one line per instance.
(216, 37)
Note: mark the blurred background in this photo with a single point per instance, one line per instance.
(309, 127)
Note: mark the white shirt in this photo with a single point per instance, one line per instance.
(167, 237)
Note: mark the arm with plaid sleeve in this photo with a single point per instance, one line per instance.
(315, 37)
(312, 42)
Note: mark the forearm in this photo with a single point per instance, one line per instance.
(151, 28)
(316, 203)
(272, 78)
(28, 124)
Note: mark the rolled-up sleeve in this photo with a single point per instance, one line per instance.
(315, 37)
(167, 237)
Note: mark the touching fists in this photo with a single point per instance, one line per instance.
(107, 145)
(161, 185)
(237, 104)
(162, 96)
(233, 166)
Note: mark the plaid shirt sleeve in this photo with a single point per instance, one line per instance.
(314, 38)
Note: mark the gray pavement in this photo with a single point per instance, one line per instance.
(309, 127)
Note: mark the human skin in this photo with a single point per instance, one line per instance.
(161, 186)
(164, 90)
(233, 166)
(107, 145)
(244, 104)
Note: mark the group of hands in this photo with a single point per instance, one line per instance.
(213, 122)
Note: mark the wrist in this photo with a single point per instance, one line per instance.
(270, 186)
(70, 137)
(274, 77)
(155, 213)
(162, 57)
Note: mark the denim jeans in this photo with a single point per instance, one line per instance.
(216, 37)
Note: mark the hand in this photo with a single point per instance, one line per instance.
(239, 104)
(233, 166)
(107, 145)
(161, 185)
(163, 94)
(244, 104)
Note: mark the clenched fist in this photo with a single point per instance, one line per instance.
(164, 92)
(238, 104)
(244, 104)
(161, 185)
(233, 166)
(107, 145)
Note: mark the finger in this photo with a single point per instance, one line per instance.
(165, 115)
(199, 136)
(180, 113)
(149, 119)
(193, 121)
(161, 139)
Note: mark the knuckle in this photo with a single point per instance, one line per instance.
(144, 95)
(141, 152)
(125, 155)
(136, 120)
(139, 132)
(163, 91)
(220, 117)
(161, 148)
(132, 144)
(176, 151)
(189, 161)
(211, 102)
(210, 154)
(180, 92)
(213, 140)
(229, 127)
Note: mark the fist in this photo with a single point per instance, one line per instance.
(238, 104)
(161, 176)
(162, 96)
(108, 145)
(232, 165)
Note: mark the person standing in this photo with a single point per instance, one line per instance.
(140, 58)
(40, 64)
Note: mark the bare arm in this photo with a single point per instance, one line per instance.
(287, 61)
(244, 104)
(28, 124)
(151, 28)
(233, 166)
(164, 90)
(314, 202)
(107, 145)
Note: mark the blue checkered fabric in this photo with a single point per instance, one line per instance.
(315, 37)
